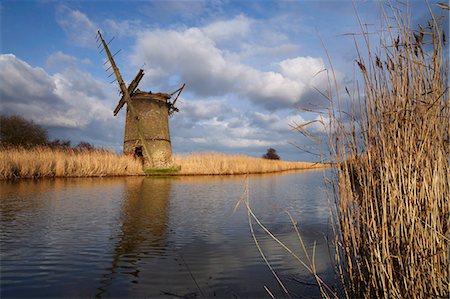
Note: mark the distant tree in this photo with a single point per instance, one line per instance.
(84, 146)
(271, 154)
(57, 143)
(17, 131)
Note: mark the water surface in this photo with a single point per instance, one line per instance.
(159, 237)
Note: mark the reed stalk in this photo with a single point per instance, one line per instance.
(223, 164)
(392, 188)
(308, 263)
(47, 162)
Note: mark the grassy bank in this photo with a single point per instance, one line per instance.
(221, 164)
(392, 197)
(47, 162)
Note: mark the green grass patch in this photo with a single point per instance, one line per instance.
(161, 171)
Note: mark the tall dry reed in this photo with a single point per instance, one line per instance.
(47, 162)
(222, 164)
(393, 178)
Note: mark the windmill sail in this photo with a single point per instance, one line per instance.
(131, 88)
(122, 85)
(125, 93)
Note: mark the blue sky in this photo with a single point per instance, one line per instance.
(246, 65)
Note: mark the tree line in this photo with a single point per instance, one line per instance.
(16, 131)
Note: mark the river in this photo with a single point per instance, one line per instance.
(164, 237)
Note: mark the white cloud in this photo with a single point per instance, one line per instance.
(226, 30)
(233, 130)
(72, 99)
(60, 61)
(245, 143)
(276, 123)
(56, 59)
(303, 69)
(262, 53)
(17, 77)
(201, 140)
(209, 70)
(203, 109)
(78, 27)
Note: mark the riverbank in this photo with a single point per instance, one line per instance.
(222, 164)
(47, 162)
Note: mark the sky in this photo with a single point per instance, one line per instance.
(248, 66)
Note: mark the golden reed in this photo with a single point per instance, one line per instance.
(47, 162)
(222, 164)
(392, 191)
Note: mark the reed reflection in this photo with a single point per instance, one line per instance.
(21, 197)
(143, 223)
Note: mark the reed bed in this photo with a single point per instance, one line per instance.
(222, 164)
(47, 162)
(392, 191)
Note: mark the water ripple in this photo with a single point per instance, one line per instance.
(156, 237)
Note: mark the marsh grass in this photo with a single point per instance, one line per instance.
(392, 191)
(217, 163)
(47, 162)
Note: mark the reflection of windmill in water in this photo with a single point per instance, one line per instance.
(147, 119)
(142, 236)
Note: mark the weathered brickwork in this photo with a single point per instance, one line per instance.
(150, 123)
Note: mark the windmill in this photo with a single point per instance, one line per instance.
(147, 133)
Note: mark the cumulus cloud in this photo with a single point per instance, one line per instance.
(256, 54)
(203, 109)
(18, 78)
(77, 26)
(302, 69)
(276, 123)
(245, 143)
(59, 60)
(56, 59)
(232, 130)
(226, 30)
(72, 99)
(209, 70)
(318, 125)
